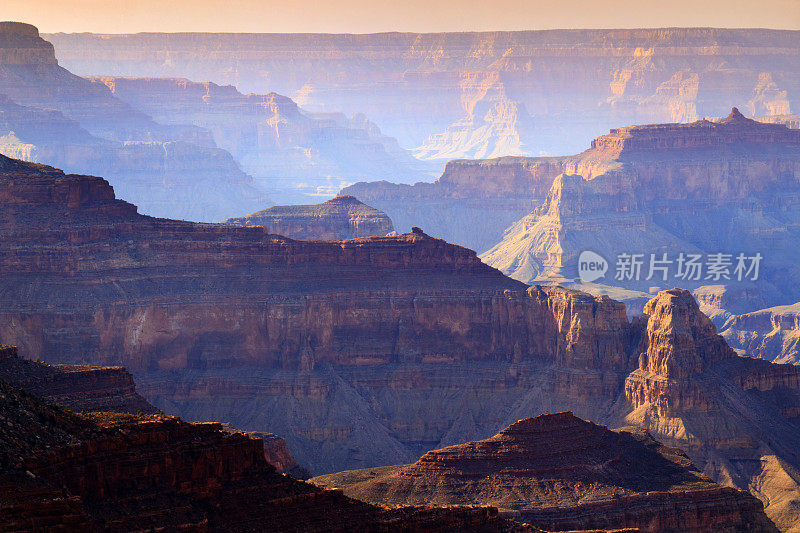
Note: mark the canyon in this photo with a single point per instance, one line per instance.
(706, 187)
(84, 388)
(340, 218)
(471, 204)
(670, 192)
(477, 94)
(111, 470)
(372, 351)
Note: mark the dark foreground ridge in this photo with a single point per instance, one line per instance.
(108, 471)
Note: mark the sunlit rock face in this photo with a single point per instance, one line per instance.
(269, 135)
(559, 472)
(471, 93)
(375, 350)
(704, 187)
(340, 218)
(47, 114)
(664, 190)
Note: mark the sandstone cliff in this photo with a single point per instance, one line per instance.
(630, 192)
(559, 472)
(340, 218)
(575, 84)
(47, 114)
(110, 389)
(691, 390)
(76, 387)
(493, 126)
(700, 188)
(471, 204)
(278, 455)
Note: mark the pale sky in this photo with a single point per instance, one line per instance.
(366, 16)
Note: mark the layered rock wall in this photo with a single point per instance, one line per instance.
(76, 387)
(269, 134)
(109, 471)
(49, 115)
(701, 189)
(444, 91)
(372, 350)
(770, 333)
(545, 470)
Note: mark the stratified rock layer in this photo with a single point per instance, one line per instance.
(341, 218)
(269, 135)
(772, 333)
(374, 350)
(77, 387)
(659, 191)
(278, 455)
(470, 92)
(559, 472)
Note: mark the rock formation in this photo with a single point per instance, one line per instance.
(47, 114)
(575, 84)
(494, 126)
(471, 204)
(665, 190)
(107, 471)
(269, 135)
(341, 218)
(630, 192)
(692, 391)
(720, 302)
(559, 472)
(111, 389)
(370, 351)
(278, 455)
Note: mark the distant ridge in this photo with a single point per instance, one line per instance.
(343, 217)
